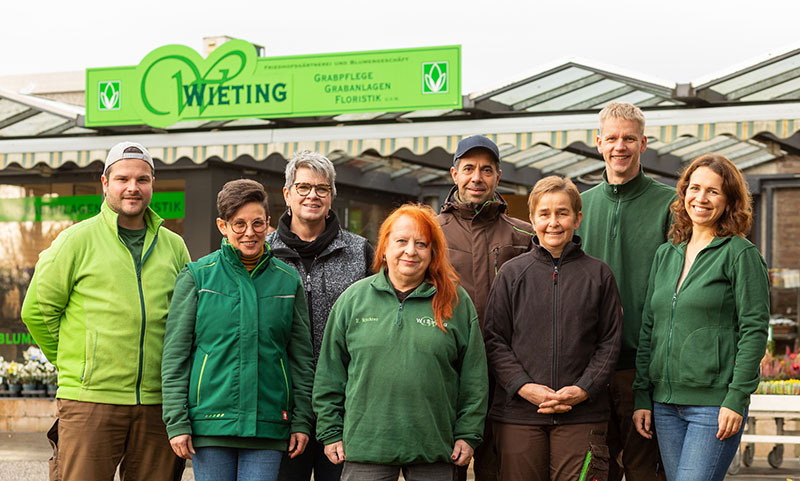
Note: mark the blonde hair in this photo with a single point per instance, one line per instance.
(624, 111)
(555, 183)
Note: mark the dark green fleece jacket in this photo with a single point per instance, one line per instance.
(623, 225)
(702, 344)
(237, 365)
(392, 385)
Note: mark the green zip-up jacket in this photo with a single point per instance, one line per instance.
(237, 353)
(623, 225)
(99, 320)
(703, 344)
(392, 385)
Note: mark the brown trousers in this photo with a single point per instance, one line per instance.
(552, 452)
(93, 439)
(632, 455)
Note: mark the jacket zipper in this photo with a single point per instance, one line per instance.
(555, 330)
(616, 214)
(144, 318)
(400, 312)
(672, 313)
(200, 379)
(308, 296)
(669, 343)
(286, 383)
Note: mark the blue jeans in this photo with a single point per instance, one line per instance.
(687, 439)
(232, 464)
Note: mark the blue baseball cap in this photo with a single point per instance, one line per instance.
(473, 142)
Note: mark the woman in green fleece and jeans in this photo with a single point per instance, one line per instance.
(704, 329)
(401, 382)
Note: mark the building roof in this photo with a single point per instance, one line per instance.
(544, 122)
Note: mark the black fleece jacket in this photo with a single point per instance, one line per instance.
(552, 324)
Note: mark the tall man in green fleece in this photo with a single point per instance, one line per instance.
(97, 306)
(625, 219)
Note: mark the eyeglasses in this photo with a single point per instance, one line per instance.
(304, 188)
(240, 226)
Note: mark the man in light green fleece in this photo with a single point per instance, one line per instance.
(625, 219)
(97, 306)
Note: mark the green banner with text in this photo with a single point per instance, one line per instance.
(168, 205)
(174, 83)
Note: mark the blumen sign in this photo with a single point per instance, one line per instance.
(174, 83)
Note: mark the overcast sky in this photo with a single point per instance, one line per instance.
(502, 40)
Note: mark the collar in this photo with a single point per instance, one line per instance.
(629, 190)
(490, 210)
(233, 256)
(715, 242)
(381, 282)
(571, 251)
(152, 221)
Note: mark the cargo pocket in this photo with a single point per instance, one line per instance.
(597, 469)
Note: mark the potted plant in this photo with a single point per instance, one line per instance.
(13, 378)
(30, 374)
(50, 379)
(780, 374)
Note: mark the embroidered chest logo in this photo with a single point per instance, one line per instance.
(428, 322)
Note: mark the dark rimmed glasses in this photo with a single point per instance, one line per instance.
(240, 227)
(304, 188)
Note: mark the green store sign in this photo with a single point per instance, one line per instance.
(168, 205)
(174, 83)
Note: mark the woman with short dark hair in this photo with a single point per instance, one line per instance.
(237, 363)
(704, 328)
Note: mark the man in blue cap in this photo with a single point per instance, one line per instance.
(480, 238)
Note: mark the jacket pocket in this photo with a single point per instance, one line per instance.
(700, 357)
(597, 468)
(89, 357)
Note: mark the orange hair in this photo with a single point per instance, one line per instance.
(440, 272)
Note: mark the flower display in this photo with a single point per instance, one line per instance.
(780, 374)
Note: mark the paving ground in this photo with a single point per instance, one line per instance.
(23, 457)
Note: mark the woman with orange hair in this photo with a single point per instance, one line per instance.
(401, 382)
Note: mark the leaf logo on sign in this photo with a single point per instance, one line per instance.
(109, 95)
(434, 76)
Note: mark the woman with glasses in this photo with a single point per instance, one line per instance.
(328, 258)
(237, 366)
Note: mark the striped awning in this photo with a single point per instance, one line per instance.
(542, 142)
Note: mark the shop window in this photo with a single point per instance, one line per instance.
(31, 217)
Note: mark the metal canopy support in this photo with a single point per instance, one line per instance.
(525, 176)
(764, 84)
(25, 114)
(559, 91)
(602, 98)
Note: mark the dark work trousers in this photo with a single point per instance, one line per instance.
(485, 458)
(551, 453)
(313, 458)
(631, 454)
